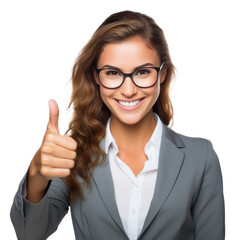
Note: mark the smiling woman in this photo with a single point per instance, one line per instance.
(124, 173)
(128, 102)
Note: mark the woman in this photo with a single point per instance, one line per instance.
(122, 171)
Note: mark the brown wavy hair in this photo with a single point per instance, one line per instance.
(90, 114)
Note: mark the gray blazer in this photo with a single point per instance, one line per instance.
(187, 204)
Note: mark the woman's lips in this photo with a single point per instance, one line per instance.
(129, 104)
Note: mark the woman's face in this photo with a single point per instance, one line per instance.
(126, 56)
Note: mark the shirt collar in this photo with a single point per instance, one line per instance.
(152, 148)
(155, 139)
(109, 139)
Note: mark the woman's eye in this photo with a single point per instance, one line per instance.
(142, 72)
(112, 72)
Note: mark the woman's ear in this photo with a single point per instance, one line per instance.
(96, 77)
(163, 73)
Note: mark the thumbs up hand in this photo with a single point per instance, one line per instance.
(57, 151)
(54, 159)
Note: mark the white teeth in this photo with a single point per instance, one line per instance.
(129, 104)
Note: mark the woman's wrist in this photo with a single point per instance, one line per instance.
(36, 183)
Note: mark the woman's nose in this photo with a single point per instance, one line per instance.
(128, 88)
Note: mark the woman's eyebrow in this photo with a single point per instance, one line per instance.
(114, 67)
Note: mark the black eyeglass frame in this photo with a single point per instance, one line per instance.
(158, 69)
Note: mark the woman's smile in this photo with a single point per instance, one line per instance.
(129, 104)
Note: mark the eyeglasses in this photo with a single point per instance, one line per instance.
(143, 77)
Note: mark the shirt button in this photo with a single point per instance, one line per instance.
(133, 211)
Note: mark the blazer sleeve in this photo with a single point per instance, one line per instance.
(208, 209)
(38, 221)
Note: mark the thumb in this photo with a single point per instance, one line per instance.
(54, 115)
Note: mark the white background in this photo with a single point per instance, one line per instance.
(38, 45)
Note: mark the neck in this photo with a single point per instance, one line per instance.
(134, 136)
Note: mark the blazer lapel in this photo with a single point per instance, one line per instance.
(103, 180)
(170, 162)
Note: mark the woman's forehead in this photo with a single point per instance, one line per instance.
(128, 54)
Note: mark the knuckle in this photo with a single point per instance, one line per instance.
(75, 144)
(74, 155)
(46, 149)
(72, 164)
(67, 172)
(44, 171)
(45, 160)
(50, 137)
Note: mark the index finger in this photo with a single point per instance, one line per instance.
(62, 141)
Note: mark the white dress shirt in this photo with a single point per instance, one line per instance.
(134, 194)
